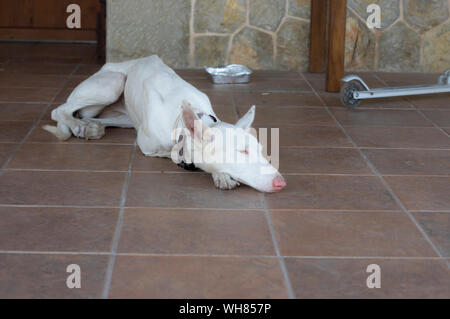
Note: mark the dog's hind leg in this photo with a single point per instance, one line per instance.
(115, 116)
(122, 121)
(93, 94)
(90, 112)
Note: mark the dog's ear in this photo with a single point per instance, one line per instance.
(246, 121)
(192, 122)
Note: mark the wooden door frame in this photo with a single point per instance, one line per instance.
(337, 15)
(101, 31)
(28, 30)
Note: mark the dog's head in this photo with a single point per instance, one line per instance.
(219, 147)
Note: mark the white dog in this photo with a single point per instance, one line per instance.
(157, 103)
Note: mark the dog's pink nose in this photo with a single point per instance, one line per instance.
(278, 183)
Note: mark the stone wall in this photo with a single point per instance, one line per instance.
(274, 34)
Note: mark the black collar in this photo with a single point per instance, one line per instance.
(189, 167)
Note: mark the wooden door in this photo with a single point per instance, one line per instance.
(46, 20)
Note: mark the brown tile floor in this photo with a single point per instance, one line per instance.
(369, 186)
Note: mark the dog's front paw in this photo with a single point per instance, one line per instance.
(224, 181)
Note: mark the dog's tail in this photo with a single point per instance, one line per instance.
(62, 131)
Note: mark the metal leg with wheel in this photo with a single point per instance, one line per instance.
(355, 90)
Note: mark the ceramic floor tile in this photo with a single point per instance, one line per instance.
(410, 162)
(332, 192)
(186, 191)
(245, 100)
(39, 68)
(57, 229)
(281, 116)
(61, 188)
(14, 131)
(39, 95)
(197, 277)
(322, 161)
(30, 276)
(347, 278)
(349, 234)
(314, 136)
(202, 232)
(72, 157)
(398, 118)
(32, 80)
(422, 192)
(399, 137)
(21, 111)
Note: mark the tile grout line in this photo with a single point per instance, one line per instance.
(37, 121)
(102, 253)
(280, 258)
(199, 173)
(215, 208)
(418, 111)
(283, 147)
(306, 107)
(380, 177)
(117, 232)
(362, 211)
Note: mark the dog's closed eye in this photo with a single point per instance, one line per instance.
(243, 152)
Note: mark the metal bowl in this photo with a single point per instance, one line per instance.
(229, 74)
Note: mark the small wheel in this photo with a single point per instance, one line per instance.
(347, 93)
